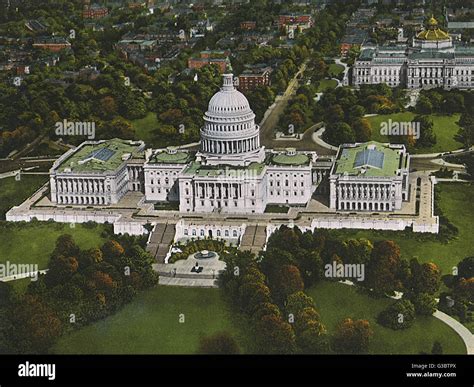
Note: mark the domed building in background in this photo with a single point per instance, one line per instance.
(432, 60)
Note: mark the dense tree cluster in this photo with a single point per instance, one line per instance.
(343, 110)
(444, 101)
(282, 316)
(459, 300)
(80, 287)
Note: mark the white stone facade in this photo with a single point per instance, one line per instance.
(370, 188)
(73, 183)
(432, 60)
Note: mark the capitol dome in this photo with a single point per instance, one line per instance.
(229, 101)
(229, 124)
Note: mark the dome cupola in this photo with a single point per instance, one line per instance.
(230, 133)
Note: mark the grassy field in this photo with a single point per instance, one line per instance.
(325, 84)
(144, 127)
(445, 128)
(150, 324)
(454, 198)
(13, 192)
(33, 243)
(335, 69)
(336, 301)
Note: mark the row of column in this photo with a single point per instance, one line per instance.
(364, 191)
(231, 147)
(92, 200)
(364, 206)
(92, 186)
(430, 72)
(218, 190)
(134, 173)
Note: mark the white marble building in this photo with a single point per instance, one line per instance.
(231, 173)
(96, 173)
(432, 60)
(370, 177)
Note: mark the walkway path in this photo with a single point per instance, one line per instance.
(317, 138)
(272, 116)
(460, 329)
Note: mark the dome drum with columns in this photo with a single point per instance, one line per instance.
(230, 135)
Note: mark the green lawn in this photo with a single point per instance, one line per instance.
(335, 69)
(325, 84)
(14, 192)
(445, 128)
(144, 127)
(336, 301)
(456, 199)
(33, 243)
(150, 324)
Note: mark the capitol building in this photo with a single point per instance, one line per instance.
(431, 60)
(214, 188)
(230, 173)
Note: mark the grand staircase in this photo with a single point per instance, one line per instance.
(254, 238)
(160, 241)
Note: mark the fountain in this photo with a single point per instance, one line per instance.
(205, 254)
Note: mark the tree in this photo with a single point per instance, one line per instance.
(427, 136)
(466, 267)
(60, 270)
(383, 270)
(399, 315)
(425, 278)
(218, 344)
(466, 131)
(6, 294)
(298, 301)
(313, 341)
(352, 336)
(112, 250)
(266, 309)
(339, 133)
(335, 114)
(275, 335)
(286, 281)
(424, 105)
(37, 326)
(454, 102)
(252, 294)
(362, 129)
(424, 303)
(357, 251)
(464, 289)
(66, 246)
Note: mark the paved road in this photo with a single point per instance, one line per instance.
(460, 329)
(270, 121)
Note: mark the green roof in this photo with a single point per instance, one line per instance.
(284, 159)
(99, 157)
(374, 158)
(200, 170)
(171, 158)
